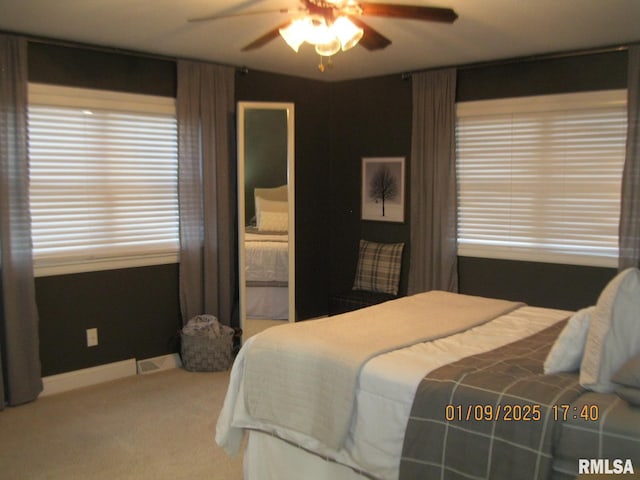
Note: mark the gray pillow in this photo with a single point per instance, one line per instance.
(630, 394)
(627, 380)
(614, 336)
(379, 267)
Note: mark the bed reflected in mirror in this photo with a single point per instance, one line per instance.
(266, 215)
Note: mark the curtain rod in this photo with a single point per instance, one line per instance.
(405, 75)
(530, 58)
(114, 50)
(97, 48)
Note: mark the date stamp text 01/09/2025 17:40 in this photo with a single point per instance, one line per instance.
(520, 413)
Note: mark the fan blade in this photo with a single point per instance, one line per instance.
(220, 16)
(413, 12)
(372, 39)
(266, 38)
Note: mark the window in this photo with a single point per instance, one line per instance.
(539, 177)
(103, 179)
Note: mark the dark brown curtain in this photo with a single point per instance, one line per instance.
(19, 339)
(206, 193)
(629, 236)
(433, 183)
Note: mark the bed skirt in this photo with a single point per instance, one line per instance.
(270, 458)
(268, 302)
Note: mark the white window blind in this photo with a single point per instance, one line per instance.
(103, 179)
(539, 177)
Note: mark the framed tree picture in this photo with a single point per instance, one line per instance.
(383, 189)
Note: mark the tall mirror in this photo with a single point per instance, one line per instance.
(266, 215)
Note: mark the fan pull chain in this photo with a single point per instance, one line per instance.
(322, 67)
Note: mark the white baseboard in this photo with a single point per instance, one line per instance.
(86, 377)
(157, 364)
(64, 382)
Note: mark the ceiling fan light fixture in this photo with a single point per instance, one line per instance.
(313, 30)
(295, 33)
(347, 32)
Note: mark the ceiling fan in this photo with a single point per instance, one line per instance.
(334, 25)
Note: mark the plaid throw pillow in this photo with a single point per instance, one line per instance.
(379, 267)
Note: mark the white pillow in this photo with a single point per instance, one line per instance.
(264, 205)
(614, 334)
(276, 193)
(566, 353)
(274, 221)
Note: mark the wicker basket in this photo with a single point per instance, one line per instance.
(207, 354)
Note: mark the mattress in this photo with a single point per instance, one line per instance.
(385, 392)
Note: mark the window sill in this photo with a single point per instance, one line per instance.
(58, 267)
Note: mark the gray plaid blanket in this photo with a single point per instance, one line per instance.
(614, 435)
(488, 416)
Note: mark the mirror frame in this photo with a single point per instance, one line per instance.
(289, 108)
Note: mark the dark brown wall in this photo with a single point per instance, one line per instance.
(569, 287)
(265, 162)
(136, 311)
(311, 99)
(369, 118)
(86, 68)
(577, 73)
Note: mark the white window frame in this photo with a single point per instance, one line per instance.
(65, 262)
(480, 244)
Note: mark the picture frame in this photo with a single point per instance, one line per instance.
(383, 186)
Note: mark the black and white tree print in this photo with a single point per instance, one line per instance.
(383, 186)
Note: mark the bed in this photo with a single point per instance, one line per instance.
(406, 407)
(267, 256)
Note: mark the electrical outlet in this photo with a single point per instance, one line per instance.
(92, 337)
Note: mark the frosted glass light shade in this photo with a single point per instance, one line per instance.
(318, 32)
(330, 48)
(347, 32)
(295, 33)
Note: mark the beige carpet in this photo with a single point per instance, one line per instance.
(157, 426)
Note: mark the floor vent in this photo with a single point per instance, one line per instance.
(157, 364)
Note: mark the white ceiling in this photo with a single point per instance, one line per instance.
(485, 30)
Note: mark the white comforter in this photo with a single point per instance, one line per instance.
(384, 396)
(267, 257)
